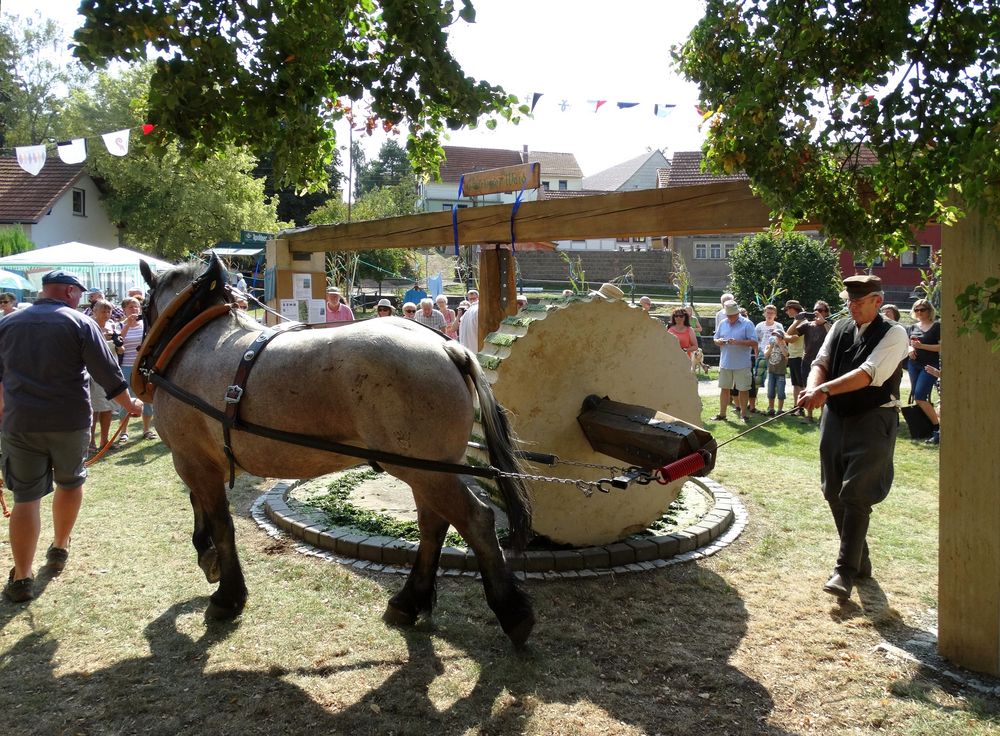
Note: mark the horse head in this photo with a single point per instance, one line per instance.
(207, 287)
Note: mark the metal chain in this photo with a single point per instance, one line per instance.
(623, 478)
(586, 487)
(613, 468)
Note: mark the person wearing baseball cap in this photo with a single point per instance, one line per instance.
(46, 353)
(856, 376)
(796, 350)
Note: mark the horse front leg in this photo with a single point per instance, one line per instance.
(228, 601)
(201, 538)
(417, 595)
(214, 535)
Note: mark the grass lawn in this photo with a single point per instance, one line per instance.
(743, 642)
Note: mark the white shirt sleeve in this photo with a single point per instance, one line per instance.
(884, 359)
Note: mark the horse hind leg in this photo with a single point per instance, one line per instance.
(418, 593)
(508, 602)
(201, 538)
(456, 505)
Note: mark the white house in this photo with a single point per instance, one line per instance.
(642, 172)
(60, 205)
(559, 172)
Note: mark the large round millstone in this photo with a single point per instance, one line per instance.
(544, 362)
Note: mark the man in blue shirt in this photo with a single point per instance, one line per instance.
(736, 337)
(415, 294)
(46, 353)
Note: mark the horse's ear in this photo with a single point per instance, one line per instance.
(216, 274)
(147, 274)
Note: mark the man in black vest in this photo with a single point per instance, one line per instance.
(856, 374)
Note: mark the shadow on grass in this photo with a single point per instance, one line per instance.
(660, 667)
(140, 452)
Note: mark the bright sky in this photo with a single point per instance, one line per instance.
(572, 50)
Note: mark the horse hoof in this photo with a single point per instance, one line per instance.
(223, 611)
(520, 632)
(398, 617)
(209, 564)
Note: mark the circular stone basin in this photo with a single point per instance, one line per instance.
(704, 512)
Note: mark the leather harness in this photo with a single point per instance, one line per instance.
(170, 331)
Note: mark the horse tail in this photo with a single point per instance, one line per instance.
(500, 445)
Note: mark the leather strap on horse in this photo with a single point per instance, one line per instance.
(235, 391)
(140, 382)
(318, 443)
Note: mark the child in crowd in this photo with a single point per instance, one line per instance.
(776, 355)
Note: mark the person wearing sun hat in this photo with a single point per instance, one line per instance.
(736, 337)
(383, 308)
(46, 354)
(856, 376)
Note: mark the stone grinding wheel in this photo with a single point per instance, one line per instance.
(542, 364)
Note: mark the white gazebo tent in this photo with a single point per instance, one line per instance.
(112, 270)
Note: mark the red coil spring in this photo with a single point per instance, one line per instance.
(680, 468)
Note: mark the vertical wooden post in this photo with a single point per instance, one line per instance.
(493, 289)
(282, 263)
(969, 554)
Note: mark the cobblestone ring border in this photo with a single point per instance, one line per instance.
(716, 530)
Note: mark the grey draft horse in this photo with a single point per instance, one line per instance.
(384, 384)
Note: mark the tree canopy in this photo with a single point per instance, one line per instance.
(863, 116)
(31, 76)
(167, 204)
(771, 268)
(273, 74)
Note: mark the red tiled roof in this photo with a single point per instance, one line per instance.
(685, 170)
(26, 198)
(461, 160)
(556, 164)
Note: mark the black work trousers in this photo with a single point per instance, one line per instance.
(856, 471)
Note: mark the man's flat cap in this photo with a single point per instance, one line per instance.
(63, 277)
(856, 287)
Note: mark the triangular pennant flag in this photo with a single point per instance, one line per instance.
(626, 105)
(534, 100)
(148, 128)
(72, 152)
(31, 158)
(596, 103)
(661, 111)
(117, 142)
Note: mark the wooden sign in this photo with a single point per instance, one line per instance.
(503, 179)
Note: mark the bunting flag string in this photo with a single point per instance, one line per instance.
(555, 103)
(32, 158)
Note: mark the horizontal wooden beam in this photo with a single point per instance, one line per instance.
(728, 207)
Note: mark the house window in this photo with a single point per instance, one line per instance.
(919, 256)
(700, 251)
(877, 263)
(621, 240)
(563, 185)
(545, 185)
(447, 207)
(730, 247)
(716, 251)
(80, 202)
(638, 240)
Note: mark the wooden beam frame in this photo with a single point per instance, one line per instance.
(728, 207)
